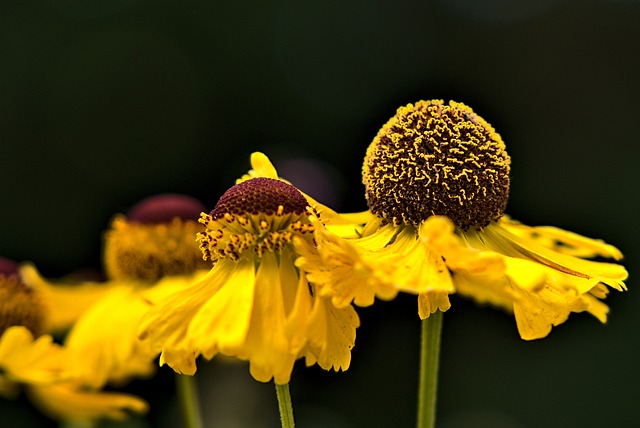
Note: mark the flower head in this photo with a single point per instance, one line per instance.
(155, 239)
(437, 159)
(151, 250)
(437, 182)
(26, 355)
(254, 304)
(19, 303)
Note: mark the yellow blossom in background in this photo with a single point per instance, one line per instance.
(151, 250)
(254, 304)
(437, 183)
(26, 355)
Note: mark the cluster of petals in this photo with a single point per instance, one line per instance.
(540, 274)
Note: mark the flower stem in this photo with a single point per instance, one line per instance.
(429, 360)
(189, 402)
(284, 404)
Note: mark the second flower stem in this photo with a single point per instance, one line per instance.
(429, 362)
(284, 404)
(188, 395)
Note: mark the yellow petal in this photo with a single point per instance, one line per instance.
(420, 268)
(69, 402)
(487, 289)
(341, 272)
(166, 322)
(500, 239)
(25, 360)
(267, 346)
(297, 318)
(222, 321)
(525, 274)
(433, 301)
(332, 334)
(537, 312)
(563, 241)
(261, 167)
(104, 341)
(64, 302)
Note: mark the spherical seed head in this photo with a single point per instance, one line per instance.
(260, 196)
(437, 159)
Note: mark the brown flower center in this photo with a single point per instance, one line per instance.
(255, 216)
(260, 196)
(437, 159)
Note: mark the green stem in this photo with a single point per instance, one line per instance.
(189, 402)
(284, 404)
(429, 359)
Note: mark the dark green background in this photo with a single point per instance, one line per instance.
(105, 102)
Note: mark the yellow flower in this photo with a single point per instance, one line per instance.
(437, 184)
(26, 356)
(152, 250)
(254, 304)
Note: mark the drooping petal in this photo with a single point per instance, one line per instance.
(39, 361)
(166, 322)
(70, 402)
(298, 316)
(421, 270)
(332, 334)
(562, 241)
(65, 303)
(480, 275)
(537, 312)
(501, 240)
(104, 341)
(221, 323)
(267, 345)
(430, 302)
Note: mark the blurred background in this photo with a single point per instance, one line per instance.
(103, 103)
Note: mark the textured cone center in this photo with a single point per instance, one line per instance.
(260, 196)
(437, 159)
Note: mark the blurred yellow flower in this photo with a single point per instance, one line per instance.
(151, 250)
(437, 184)
(254, 304)
(26, 356)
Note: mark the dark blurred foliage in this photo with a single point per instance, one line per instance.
(103, 103)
